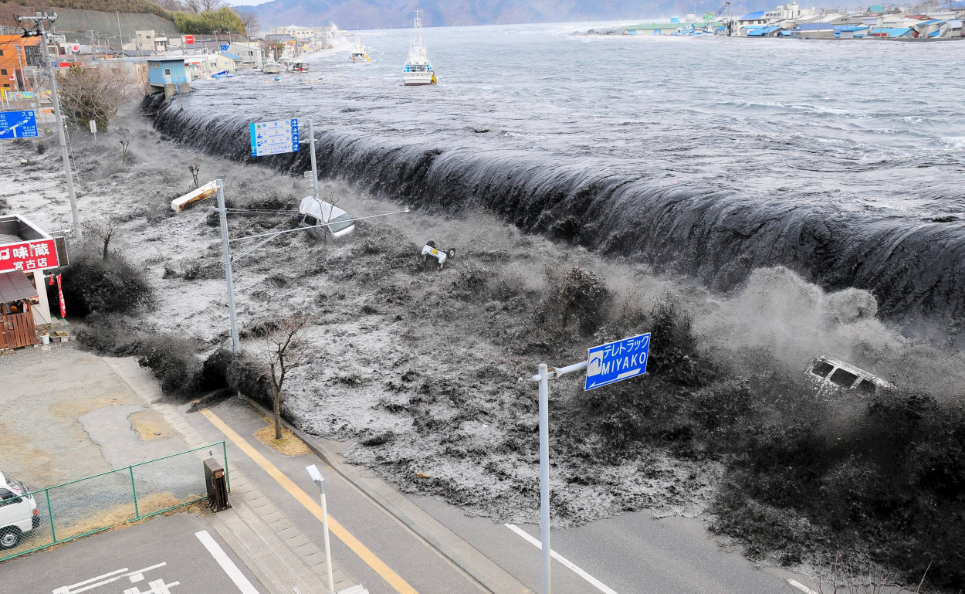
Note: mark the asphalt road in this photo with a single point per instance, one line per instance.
(629, 554)
(161, 556)
(393, 544)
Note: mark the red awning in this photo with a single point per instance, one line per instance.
(14, 286)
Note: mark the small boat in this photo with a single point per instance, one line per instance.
(299, 67)
(418, 70)
(272, 68)
(358, 52)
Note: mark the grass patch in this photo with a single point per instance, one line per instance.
(288, 445)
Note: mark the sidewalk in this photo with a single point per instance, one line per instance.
(276, 551)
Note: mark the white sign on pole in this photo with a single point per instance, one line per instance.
(273, 138)
(93, 127)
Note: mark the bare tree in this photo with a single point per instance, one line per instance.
(103, 229)
(94, 93)
(193, 5)
(250, 21)
(209, 5)
(285, 349)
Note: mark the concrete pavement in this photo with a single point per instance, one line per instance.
(161, 556)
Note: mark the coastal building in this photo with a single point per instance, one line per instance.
(764, 31)
(19, 57)
(298, 32)
(169, 75)
(788, 12)
(251, 55)
(150, 41)
(26, 253)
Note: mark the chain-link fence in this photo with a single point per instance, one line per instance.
(45, 517)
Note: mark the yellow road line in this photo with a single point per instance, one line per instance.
(309, 503)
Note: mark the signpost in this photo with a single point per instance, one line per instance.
(616, 361)
(18, 124)
(273, 138)
(189, 40)
(93, 129)
(224, 47)
(606, 364)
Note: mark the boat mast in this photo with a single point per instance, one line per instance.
(418, 49)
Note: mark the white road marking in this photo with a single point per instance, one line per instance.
(157, 587)
(801, 587)
(226, 563)
(563, 561)
(135, 576)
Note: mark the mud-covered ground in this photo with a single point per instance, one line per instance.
(429, 372)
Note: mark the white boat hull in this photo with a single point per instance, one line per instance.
(414, 79)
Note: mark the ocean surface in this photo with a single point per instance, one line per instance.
(708, 157)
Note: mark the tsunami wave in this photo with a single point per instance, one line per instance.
(915, 268)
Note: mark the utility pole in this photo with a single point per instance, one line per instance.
(38, 20)
(223, 217)
(120, 34)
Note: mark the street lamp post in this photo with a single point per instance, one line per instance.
(320, 481)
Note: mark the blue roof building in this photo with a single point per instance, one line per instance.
(165, 71)
(169, 75)
(768, 31)
(753, 16)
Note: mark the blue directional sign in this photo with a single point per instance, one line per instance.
(616, 361)
(18, 124)
(224, 47)
(273, 138)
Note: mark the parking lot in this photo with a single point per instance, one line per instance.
(177, 554)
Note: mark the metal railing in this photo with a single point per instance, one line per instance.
(107, 500)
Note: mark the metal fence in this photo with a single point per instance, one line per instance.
(107, 500)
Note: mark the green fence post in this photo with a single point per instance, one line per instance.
(50, 516)
(227, 474)
(137, 514)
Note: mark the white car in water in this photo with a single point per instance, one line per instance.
(18, 512)
(316, 213)
(834, 374)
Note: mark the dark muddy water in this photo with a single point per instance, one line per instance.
(844, 161)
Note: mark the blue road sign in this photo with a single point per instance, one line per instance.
(18, 124)
(224, 47)
(273, 138)
(616, 361)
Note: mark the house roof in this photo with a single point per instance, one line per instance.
(15, 286)
(761, 31)
(931, 22)
(231, 56)
(888, 32)
(753, 16)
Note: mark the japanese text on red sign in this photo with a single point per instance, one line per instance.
(27, 256)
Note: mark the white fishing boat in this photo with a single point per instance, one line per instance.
(418, 70)
(358, 52)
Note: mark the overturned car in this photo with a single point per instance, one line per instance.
(832, 374)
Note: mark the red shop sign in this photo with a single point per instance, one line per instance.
(29, 255)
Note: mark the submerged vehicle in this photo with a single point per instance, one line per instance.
(18, 512)
(832, 374)
(319, 214)
(418, 70)
(358, 52)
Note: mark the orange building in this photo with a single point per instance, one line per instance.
(16, 53)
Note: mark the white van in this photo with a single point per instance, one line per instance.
(831, 373)
(318, 212)
(18, 511)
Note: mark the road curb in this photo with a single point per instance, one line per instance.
(480, 580)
